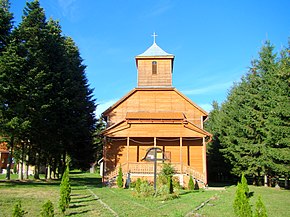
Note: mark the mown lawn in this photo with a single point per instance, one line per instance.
(89, 198)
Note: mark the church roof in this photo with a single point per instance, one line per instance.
(154, 50)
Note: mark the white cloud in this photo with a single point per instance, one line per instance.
(68, 7)
(209, 89)
(103, 106)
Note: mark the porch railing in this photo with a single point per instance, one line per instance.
(148, 168)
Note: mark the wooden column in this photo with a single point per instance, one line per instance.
(154, 141)
(181, 164)
(128, 145)
(204, 160)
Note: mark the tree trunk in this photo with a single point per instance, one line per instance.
(48, 172)
(36, 169)
(265, 180)
(10, 158)
(286, 182)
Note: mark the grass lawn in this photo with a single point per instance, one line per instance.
(89, 198)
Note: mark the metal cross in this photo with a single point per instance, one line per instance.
(154, 36)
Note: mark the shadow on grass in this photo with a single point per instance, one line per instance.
(219, 184)
(30, 183)
(78, 213)
(87, 181)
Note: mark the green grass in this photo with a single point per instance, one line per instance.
(88, 199)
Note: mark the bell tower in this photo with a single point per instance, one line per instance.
(154, 67)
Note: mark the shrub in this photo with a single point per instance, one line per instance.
(47, 209)
(190, 183)
(65, 190)
(245, 185)
(167, 170)
(241, 204)
(260, 208)
(138, 184)
(120, 181)
(146, 189)
(170, 185)
(18, 211)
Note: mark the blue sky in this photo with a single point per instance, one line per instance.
(213, 41)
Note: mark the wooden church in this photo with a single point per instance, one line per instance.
(155, 114)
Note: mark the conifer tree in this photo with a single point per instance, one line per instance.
(241, 204)
(6, 23)
(65, 191)
(190, 183)
(120, 181)
(260, 210)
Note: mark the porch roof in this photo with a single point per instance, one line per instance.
(152, 125)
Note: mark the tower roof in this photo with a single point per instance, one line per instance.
(154, 50)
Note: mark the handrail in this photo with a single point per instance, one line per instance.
(148, 168)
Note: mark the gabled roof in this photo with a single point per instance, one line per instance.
(154, 50)
(152, 89)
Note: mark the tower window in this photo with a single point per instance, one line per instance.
(154, 68)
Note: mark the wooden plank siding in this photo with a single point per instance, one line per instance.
(156, 100)
(163, 77)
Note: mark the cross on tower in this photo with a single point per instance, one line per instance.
(154, 37)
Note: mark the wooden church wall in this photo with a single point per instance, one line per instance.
(156, 101)
(163, 76)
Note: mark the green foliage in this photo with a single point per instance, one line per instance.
(146, 190)
(44, 90)
(18, 211)
(167, 170)
(244, 185)
(260, 208)
(241, 205)
(47, 209)
(170, 185)
(138, 184)
(65, 191)
(251, 128)
(120, 181)
(190, 183)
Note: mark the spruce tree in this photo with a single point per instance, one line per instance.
(6, 23)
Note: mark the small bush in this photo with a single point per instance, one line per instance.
(146, 189)
(18, 211)
(120, 181)
(260, 208)
(65, 191)
(138, 184)
(47, 209)
(241, 204)
(190, 183)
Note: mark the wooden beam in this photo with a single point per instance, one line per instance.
(128, 145)
(204, 160)
(181, 165)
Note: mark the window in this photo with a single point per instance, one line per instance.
(154, 68)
